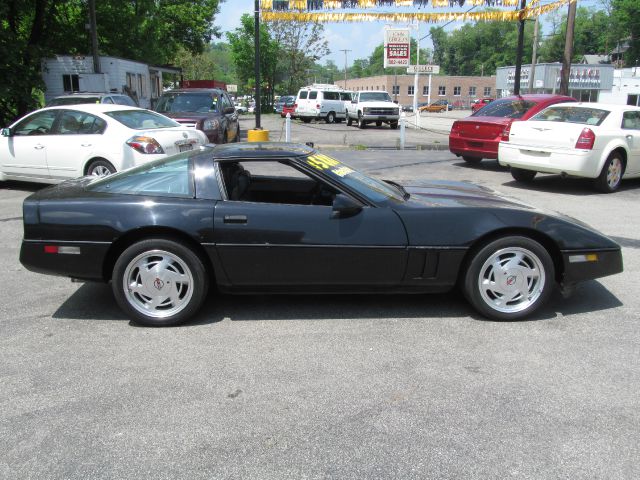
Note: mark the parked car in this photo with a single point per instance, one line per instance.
(290, 108)
(591, 140)
(208, 109)
(437, 106)
(282, 101)
(81, 98)
(477, 136)
(281, 217)
(241, 109)
(321, 102)
(373, 106)
(480, 102)
(56, 143)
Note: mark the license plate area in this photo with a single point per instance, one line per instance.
(185, 147)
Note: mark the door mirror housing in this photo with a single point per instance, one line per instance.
(6, 132)
(344, 206)
(229, 110)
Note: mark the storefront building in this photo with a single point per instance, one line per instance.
(458, 90)
(586, 82)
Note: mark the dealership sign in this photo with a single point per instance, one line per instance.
(435, 69)
(397, 42)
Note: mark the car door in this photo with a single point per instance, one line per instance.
(276, 244)
(76, 140)
(631, 131)
(26, 148)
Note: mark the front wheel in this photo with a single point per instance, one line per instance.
(349, 120)
(330, 118)
(611, 175)
(393, 125)
(522, 175)
(100, 168)
(361, 122)
(509, 278)
(159, 282)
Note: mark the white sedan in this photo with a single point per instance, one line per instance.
(591, 140)
(53, 144)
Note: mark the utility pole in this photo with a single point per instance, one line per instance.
(516, 86)
(257, 60)
(534, 54)
(568, 49)
(345, 67)
(94, 36)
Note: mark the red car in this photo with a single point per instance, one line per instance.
(289, 107)
(481, 102)
(477, 136)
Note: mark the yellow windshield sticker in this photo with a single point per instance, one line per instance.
(322, 162)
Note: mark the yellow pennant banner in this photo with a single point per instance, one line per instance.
(487, 16)
(304, 5)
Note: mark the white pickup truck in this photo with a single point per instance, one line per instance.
(372, 107)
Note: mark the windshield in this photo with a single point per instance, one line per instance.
(586, 116)
(187, 102)
(375, 97)
(142, 119)
(371, 188)
(506, 108)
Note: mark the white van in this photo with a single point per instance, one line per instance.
(321, 102)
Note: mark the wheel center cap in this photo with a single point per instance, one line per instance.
(159, 284)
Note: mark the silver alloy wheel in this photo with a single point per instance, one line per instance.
(511, 280)
(158, 283)
(614, 172)
(100, 171)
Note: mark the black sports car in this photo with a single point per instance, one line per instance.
(284, 218)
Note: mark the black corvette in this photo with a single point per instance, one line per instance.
(284, 218)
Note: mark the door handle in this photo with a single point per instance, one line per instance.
(235, 219)
(39, 147)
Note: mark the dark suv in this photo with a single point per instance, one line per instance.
(208, 109)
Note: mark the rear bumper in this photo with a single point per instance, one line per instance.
(609, 262)
(87, 264)
(579, 163)
(474, 147)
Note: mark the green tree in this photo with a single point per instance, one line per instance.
(626, 14)
(215, 63)
(241, 41)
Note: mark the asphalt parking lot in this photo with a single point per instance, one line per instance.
(328, 386)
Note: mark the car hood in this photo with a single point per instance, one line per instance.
(442, 193)
(177, 116)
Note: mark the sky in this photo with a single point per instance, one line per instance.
(360, 38)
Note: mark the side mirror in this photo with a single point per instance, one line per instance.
(230, 110)
(344, 206)
(6, 132)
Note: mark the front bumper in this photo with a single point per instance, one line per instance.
(577, 268)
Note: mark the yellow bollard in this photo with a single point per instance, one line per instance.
(258, 135)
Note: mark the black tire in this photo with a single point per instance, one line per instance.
(306, 120)
(522, 175)
(379, 123)
(472, 160)
(515, 271)
(361, 122)
(349, 120)
(330, 118)
(393, 125)
(611, 175)
(100, 168)
(181, 263)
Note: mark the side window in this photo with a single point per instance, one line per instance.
(273, 182)
(108, 100)
(226, 103)
(80, 123)
(313, 95)
(40, 123)
(303, 95)
(631, 120)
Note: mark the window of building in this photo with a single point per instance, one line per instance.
(472, 91)
(456, 91)
(487, 91)
(396, 90)
(410, 90)
(71, 83)
(425, 90)
(442, 90)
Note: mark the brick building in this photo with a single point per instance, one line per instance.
(459, 90)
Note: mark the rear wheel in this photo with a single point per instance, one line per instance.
(159, 282)
(522, 175)
(306, 120)
(611, 175)
(100, 168)
(330, 118)
(509, 278)
(472, 160)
